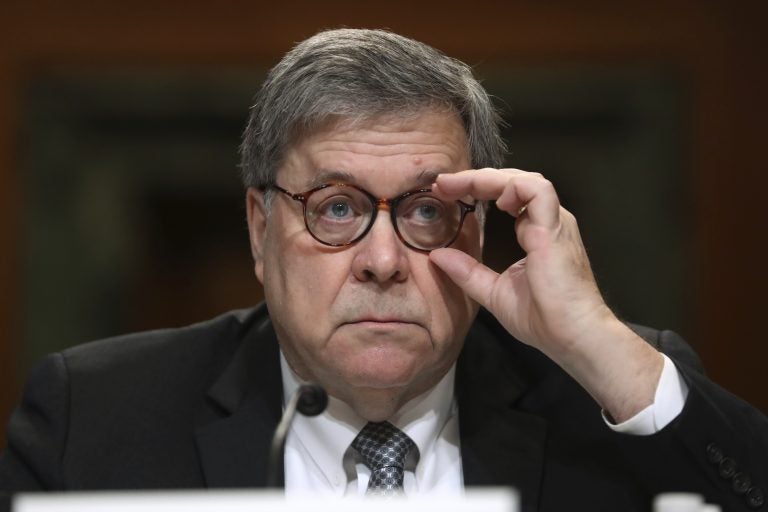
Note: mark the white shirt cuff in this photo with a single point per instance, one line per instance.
(671, 392)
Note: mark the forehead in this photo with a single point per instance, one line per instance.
(385, 149)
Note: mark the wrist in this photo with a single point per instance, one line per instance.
(616, 367)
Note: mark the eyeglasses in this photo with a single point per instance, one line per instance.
(340, 214)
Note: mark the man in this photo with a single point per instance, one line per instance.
(369, 160)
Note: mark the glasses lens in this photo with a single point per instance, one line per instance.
(426, 222)
(338, 214)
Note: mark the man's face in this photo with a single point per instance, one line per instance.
(374, 319)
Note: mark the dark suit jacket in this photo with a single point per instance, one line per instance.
(196, 407)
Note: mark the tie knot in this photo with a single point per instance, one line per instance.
(384, 449)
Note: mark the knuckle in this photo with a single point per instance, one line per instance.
(568, 219)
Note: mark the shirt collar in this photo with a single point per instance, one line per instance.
(328, 435)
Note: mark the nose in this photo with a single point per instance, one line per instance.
(381, 256)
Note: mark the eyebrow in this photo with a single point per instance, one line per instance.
(423, 178)
(325, 175)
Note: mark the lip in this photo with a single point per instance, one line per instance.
(381, 321)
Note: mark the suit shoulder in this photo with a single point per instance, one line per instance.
(195, 337)
(197, 349)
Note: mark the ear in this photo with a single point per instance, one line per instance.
(257, 228)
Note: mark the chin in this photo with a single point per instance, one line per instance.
(383, 372)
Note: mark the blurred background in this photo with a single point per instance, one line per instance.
(121, 207)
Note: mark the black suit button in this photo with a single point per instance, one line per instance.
(755, 497)
(714, 453)
(727, 468)
(740, 483)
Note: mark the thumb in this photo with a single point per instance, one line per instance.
(470, 275)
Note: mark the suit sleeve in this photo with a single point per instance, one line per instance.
(37, 432)
(724, 437)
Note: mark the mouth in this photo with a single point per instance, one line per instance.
(380, 322)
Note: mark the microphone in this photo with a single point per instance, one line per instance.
(309, 400)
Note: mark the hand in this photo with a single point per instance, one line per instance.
(550, 299)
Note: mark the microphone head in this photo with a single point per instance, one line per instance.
(312, 400)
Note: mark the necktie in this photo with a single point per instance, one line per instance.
(384, 448)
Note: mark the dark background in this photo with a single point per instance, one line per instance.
(120, 206)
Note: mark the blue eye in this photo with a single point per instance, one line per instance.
(423, 210)
(427, 211)
(339, 210)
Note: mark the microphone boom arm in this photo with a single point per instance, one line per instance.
(310, 400)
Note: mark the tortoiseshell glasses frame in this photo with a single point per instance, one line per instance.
(426, 222)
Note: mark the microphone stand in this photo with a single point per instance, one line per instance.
(309, 400)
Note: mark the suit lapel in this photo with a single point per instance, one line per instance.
(244, 406)
(500, 445)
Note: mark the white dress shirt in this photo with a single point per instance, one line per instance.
(671, 392)
(319, 460)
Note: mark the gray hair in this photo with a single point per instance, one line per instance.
(359, 75)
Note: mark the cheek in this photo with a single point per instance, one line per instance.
(301, 283)
(460, 307)
(300, 289)
(296, 282)
(451, 310)
(291, 259)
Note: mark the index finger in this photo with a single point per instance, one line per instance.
(483, 184)
(515, 191)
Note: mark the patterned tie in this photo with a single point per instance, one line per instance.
(384, 448)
